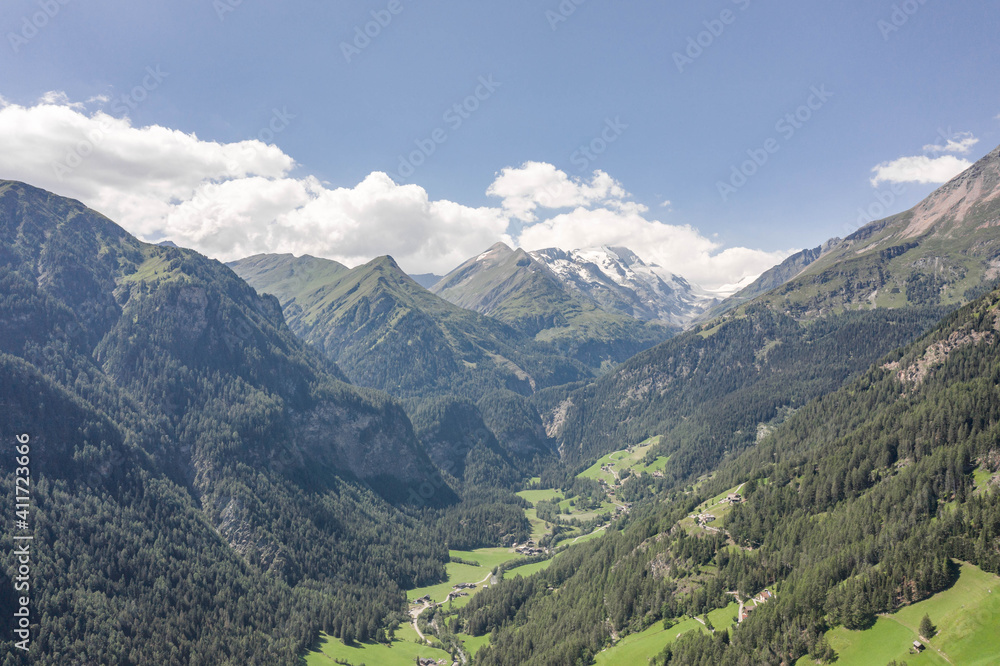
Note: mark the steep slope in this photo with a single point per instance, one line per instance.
(711, 391)
(619, 281)
(770, 279)
(940, 251)
(521, 291)
(859, 504)
(460, 444)
(388, 332)
(171, 400)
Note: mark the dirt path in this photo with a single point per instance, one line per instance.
(414, 614)
(922, 639)
(594, 532)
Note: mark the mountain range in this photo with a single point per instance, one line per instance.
(228, 460)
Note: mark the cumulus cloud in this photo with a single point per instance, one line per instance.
(919, 169)
(931, 168)
(536, 185)
(230, 200)
(962, 143)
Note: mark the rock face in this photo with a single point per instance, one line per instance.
(942, 251)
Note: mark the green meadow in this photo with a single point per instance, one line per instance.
(637, 649)
(403, 651)
(967, 617)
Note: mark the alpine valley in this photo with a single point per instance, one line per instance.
(555, 457)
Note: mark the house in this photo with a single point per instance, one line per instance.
(918, 646)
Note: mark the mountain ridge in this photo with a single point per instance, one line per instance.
(390, 333)
(518, 289)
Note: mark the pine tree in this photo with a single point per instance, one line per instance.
(927, 628)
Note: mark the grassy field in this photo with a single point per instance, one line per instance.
(636, 649)
(575, 512)
(535, 496)
(624, 460)
(465, 573)
(528, 569)
(473, 643)
(402, 652)
(981, 477)
(967, 617)
(539, 527)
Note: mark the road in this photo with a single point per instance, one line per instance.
(415, 612)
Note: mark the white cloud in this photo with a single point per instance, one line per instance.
(229, 200)
(919, 169)
(681, 249)
(962, 143)
(536, 185)
(666, 204)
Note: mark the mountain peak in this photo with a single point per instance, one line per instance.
(386, 262)
(618, 280)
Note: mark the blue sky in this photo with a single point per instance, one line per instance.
(893, 75)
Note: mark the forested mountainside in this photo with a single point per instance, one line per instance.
(189, 453)
(388, 332)
(712, 391)
(852, 507)
(518, 289)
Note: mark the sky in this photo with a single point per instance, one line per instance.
(713, 138)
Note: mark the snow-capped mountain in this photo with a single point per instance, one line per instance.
(619, 281)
